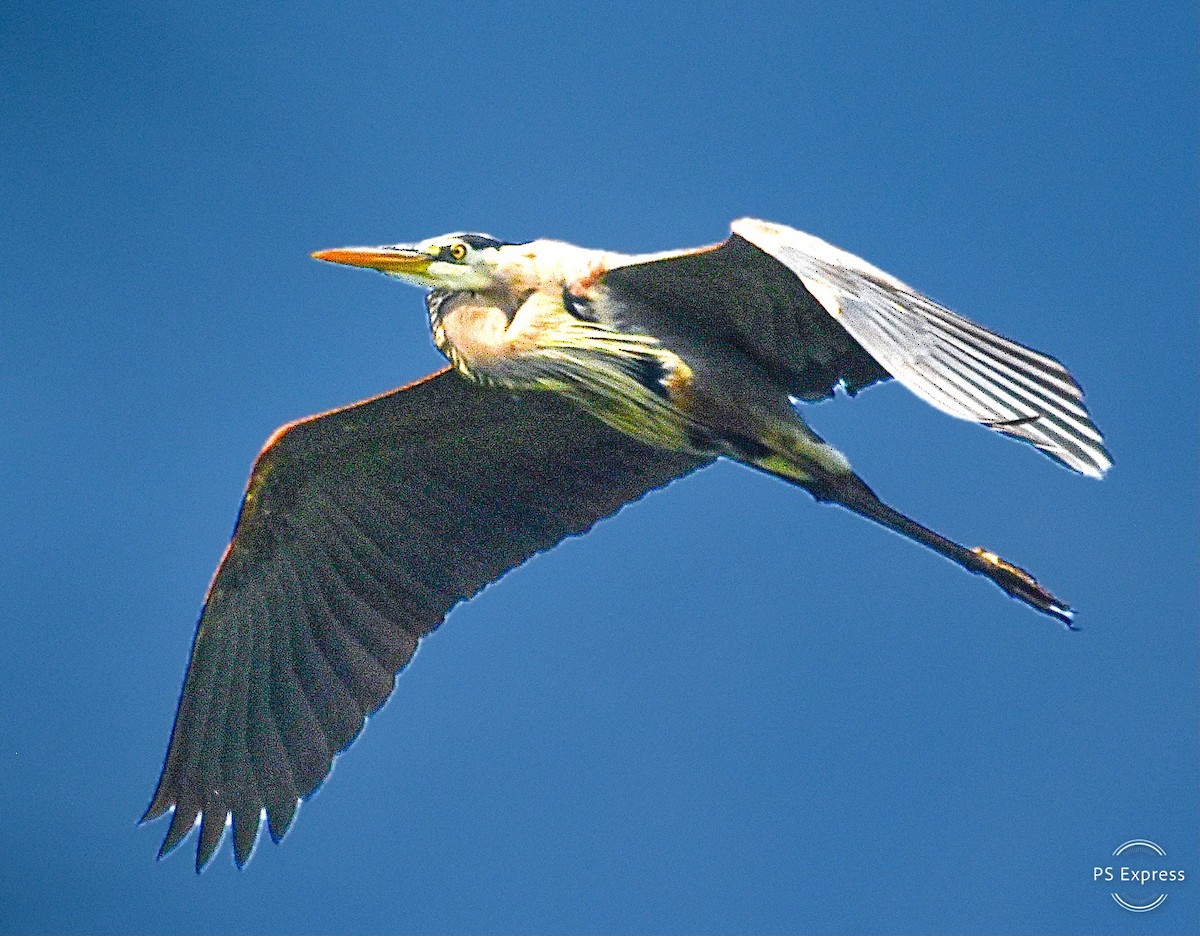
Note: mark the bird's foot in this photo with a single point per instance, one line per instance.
(1020, 584)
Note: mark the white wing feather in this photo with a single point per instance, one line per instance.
(960, 367)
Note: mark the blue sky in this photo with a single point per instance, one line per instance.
(729, 709)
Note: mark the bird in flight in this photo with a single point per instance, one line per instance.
(578, 381)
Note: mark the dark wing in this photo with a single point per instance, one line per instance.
(960, 367)
(736, 296)
(359, 530)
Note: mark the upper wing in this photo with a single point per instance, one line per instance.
(734, 296)
(953, 364)
(359, 530)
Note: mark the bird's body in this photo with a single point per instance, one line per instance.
(580, 379)
(561, 330)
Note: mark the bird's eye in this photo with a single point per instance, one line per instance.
(458, 251)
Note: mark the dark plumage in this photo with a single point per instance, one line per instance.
(360, 529)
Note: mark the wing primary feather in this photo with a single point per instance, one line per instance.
(963, 397)
(367, 606)
(408, 597)
(1000, 372)
(1001, 381)
(1048, 427)
(384, 643)
(237, 784)
(991, 376)
(357, 670)
(198, 790)
(272, 766)
(336, 712)
(882, 330)
(247, 819)
(213, 795)
(187, 737)
(423, 584)
(986, 404)
(212, 830)
(1032, 362)
(1006, 372)
(302, 733)
(996, 398)
(280, 816)
(183, 820)
(1002, 424)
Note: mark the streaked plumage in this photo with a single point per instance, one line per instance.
(580, 380)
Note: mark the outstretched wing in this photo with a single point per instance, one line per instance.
(733, 297)
(359, 530)
(960, 367)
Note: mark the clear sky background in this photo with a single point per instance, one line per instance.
(729, 709)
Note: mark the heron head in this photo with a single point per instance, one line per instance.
(455, 262)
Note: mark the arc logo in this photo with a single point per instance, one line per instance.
(1136, 893)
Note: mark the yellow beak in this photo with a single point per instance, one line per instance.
(384, 259)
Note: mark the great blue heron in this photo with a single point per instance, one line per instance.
(579, 380)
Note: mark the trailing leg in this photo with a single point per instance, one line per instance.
(848, 489)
